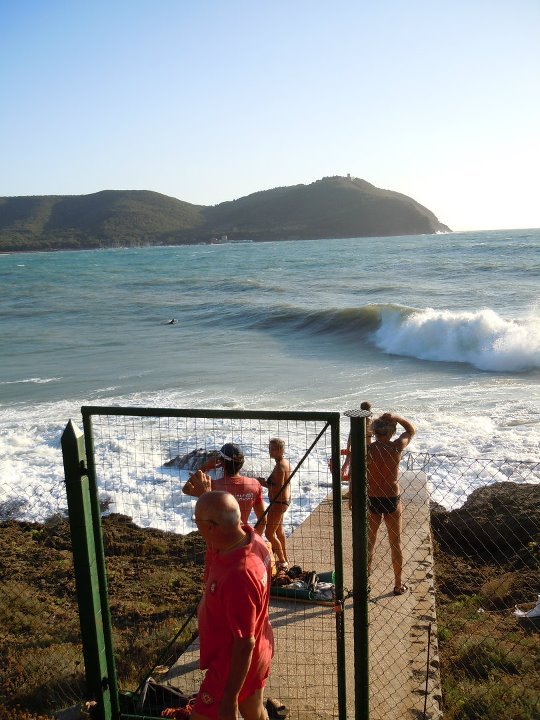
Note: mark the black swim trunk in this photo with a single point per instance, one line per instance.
(384, 505)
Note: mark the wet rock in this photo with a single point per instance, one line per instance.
(193, 460)
(500, 520)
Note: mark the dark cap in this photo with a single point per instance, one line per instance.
(230, 451)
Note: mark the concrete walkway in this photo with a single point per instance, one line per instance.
(304, 674)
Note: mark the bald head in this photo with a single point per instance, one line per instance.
(220, 507)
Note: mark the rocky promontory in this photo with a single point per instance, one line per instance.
(333, 207)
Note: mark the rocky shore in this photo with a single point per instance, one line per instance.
(491, 544)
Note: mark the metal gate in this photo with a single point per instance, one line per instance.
(135, 551)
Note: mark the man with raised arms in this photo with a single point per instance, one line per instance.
(384, 495)
(236, 641)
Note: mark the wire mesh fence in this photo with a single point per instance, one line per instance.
(142, 465)
(471, 655)
(470, 538)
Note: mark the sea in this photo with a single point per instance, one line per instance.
(443, 329)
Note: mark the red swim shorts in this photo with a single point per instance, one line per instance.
(211, 691)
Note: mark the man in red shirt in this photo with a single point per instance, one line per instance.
(246, 490)
(236, 641)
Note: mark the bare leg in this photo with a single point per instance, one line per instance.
(394, 525)
(252, 708)
(281, 537)
(273, 522)
(374, 522)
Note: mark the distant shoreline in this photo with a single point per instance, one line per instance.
(218, 244)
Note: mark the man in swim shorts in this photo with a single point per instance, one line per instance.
(384, 501)
(279, 495)
(236, 640)
(246, 490)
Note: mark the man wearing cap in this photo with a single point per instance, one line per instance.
(246, 490)
(236, 641)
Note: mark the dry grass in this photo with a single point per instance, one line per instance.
(154, 580)
(490, 663)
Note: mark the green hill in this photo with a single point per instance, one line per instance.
(110, 217)
(331, 207)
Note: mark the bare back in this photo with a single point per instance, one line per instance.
(278, 478)
(382, 469)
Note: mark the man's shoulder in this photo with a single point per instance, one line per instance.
(249, 482)
(252, 568)
(239, 481)
(258, 544)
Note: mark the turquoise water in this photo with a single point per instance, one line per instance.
(444, 329)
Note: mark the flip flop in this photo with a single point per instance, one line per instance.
(401, 590)
(276, 709)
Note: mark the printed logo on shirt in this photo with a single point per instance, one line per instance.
(264, 580)
(207, 698)
(244, 496)
(213, 587)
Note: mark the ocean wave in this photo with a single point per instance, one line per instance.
(352, 322)
(35, 380)
(482, 339)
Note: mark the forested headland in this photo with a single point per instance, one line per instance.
(328, 208)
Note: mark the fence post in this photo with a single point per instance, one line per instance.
(85, 562)
(338, 569)
(360, 567)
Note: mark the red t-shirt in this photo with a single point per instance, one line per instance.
(235, 605)
(246, 490)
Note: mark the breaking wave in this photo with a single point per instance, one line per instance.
(482, 339)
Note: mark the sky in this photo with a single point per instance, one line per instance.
(211, 100)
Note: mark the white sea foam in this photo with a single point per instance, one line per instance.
(482, 339)
(458, 441)
(130, 456)
(35, 380)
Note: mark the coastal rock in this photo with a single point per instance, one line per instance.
(193, 460)
(500, 521)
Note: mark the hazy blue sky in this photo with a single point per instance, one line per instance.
(208, 101)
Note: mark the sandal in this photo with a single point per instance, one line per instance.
(401, 590)
(276, 709)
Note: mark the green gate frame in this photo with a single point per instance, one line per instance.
(90, 576)
(89, 558)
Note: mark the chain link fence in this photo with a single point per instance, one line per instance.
(471, 542)
(141, 466)
(475, 652)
